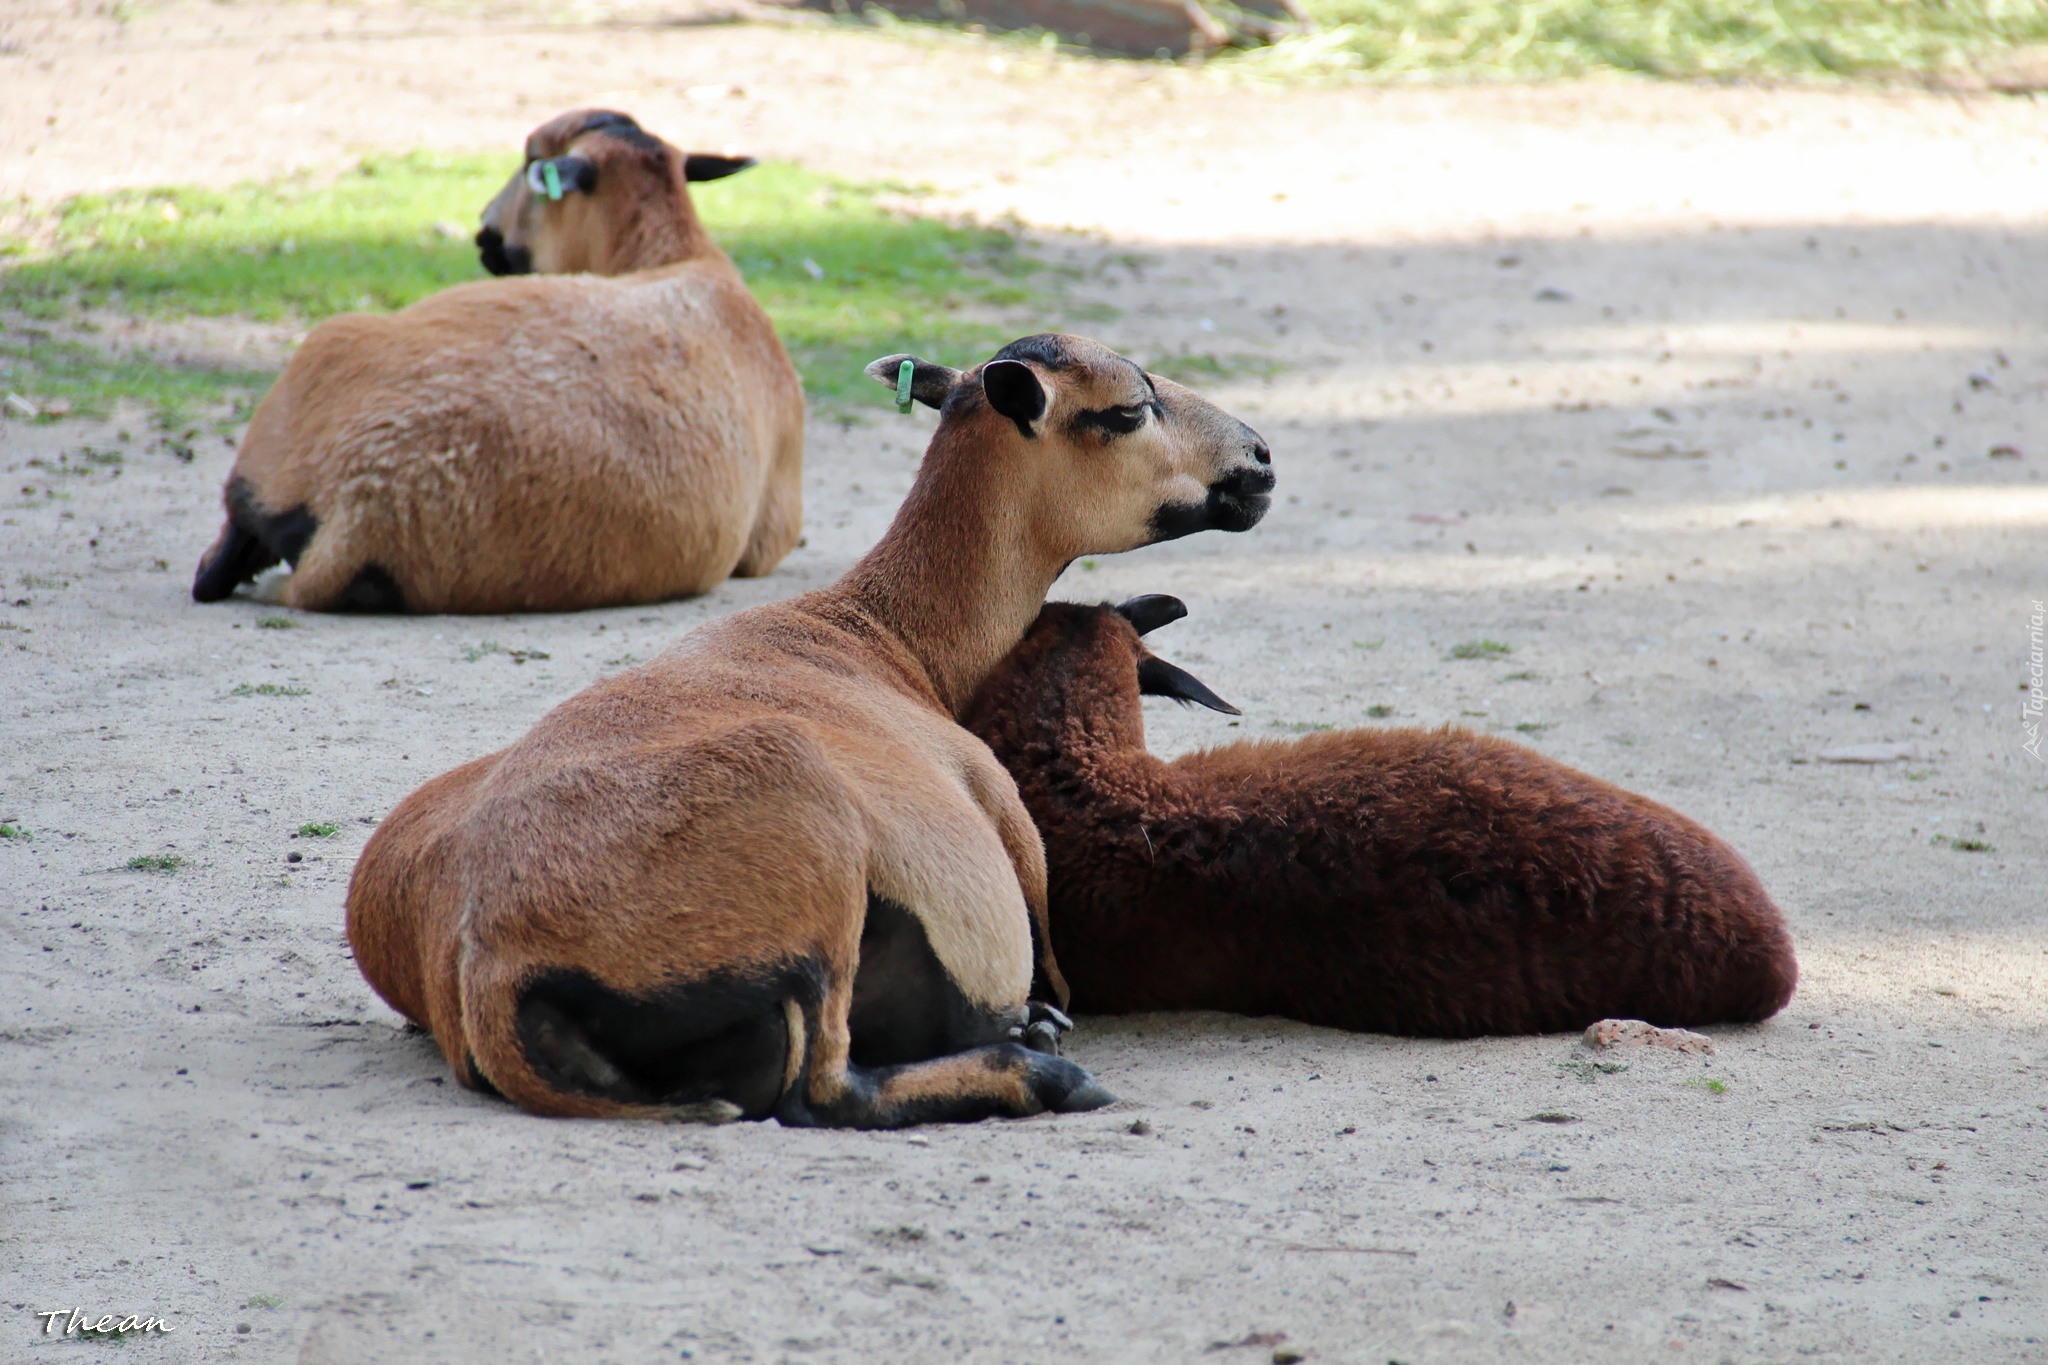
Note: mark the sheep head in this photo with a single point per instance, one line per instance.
(1076, 680)
(1099, 455)
(596, 193)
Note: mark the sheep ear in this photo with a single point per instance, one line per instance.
(1158, 678)
(929, 382)
(1155, 609)
(571, 172)
(1014, 390)
(705, 166)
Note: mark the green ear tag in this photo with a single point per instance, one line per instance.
(903, 374)
(553, 178)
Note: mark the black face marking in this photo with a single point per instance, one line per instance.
(1177, 519)
(725, 1037)
(490, 249)
(1121, 419)
(905, 1007)
(1116, 421)
(620, 126)
(1048, 349)
(1158, 678)
(372, 589)
(500, 259)
(1235, 503)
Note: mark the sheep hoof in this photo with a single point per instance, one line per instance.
(1040, 1010)
(706, 1111)
(1043, 1036)
(1087, 1095)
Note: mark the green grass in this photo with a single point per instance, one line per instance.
(1480, 649)
(268, 690)
(155, 862)
(319, 829)
(477, 652)
(21, 832)
(35, 360)
(276, 623)
(844, 277)
(1198, 370)
(1961, 845)
(1824, 40)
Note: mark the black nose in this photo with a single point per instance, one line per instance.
(498, 258)
(1249, 483)
(1261, 452)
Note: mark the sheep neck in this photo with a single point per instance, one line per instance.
(1081, 705)
(958, 576)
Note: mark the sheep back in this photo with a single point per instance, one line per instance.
(1424, 882)
(540, 443)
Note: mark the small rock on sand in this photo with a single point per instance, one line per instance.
(1625, 1033)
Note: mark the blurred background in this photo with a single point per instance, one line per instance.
(183, 187)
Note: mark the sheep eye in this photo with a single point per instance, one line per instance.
(1114, 421)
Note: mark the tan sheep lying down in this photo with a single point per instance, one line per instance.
(537, 444)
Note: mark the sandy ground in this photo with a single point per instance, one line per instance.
(1689, 396)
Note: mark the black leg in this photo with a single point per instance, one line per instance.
(1004, 1081)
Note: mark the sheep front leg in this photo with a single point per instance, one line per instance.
(1042, 1029)
(995, 792)
(1004, 1080)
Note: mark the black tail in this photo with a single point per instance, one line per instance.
(252, 541)
(237, 558)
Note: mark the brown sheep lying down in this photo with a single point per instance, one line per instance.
(556, 441)
(1427, 882)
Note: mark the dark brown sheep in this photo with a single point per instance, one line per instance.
(1426, 882)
